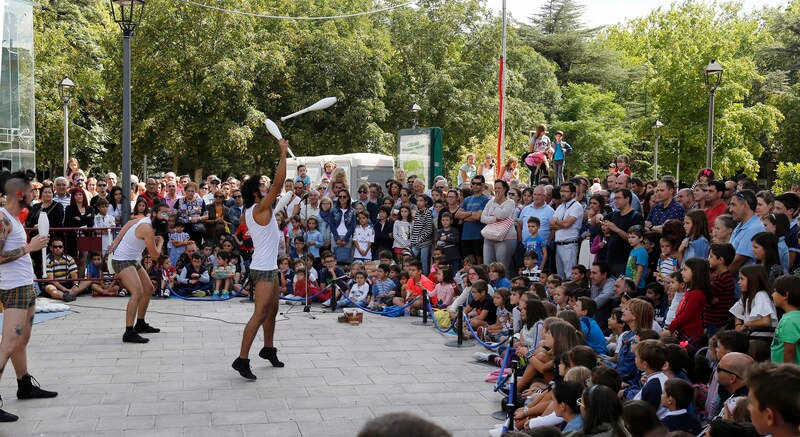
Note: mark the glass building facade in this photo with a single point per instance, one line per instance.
(17, 115)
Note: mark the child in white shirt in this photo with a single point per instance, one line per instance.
(363, 237)
(359, 292)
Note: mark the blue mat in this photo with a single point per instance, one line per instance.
(43, 317)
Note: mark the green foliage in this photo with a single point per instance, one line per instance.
(593, 124)
(788, 174)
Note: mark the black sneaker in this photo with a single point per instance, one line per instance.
(28, 388)
(145, 328)
(5, 416)
(133, 337)
(271, 354)
(68, 297)
(242, 365)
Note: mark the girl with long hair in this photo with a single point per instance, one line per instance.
(688, 322)
(779, 225)
(602, 413)
(765, 251)
(755, 309)
(695, 245)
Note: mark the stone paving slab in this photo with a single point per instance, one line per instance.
(336, 377)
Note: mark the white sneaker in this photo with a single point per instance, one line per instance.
(481, 356)
(327, 303)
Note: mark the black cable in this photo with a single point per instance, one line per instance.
(171, 314)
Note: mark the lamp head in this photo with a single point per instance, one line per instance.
(127, 13)
(65, 89)
(415, 108)
(657, 124)
(713, 75)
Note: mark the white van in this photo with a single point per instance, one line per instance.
(360, 168)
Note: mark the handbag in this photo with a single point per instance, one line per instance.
(498, 230)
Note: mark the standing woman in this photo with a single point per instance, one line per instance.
(764, 202)
(115, 204)
(192, 212)
(78, 214)
(325, 207)
(467, 171)
(55, 214)
(394, 189)
(342, 222)
(510, 171)
(498, 209)
(488, 169)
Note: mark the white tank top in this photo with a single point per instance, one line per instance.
(131, 246)
(20, 271)
(265, 241)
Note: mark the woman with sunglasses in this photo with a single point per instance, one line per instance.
(218, 221)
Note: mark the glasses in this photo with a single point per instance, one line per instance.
(237, 197)
(102, 185)
(342, 197)
(476, 183)
(724, 370)
(79, 180)
(362, 192)
(58, 247)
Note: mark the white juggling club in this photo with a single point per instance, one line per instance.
(44, 229)
(273, 129)
(325, 103)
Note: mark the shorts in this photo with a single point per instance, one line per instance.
(119, 266)
(21, 298)
(257, 276)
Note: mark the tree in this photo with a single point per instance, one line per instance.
(674, 81)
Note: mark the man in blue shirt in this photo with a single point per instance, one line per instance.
(470, 213)
(538, 209)
(666, 208)
(743, 206)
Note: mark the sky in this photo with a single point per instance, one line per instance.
(605, 12)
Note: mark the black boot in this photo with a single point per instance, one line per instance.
(5, 416)
(242, 365)
(143, 327)
(131, 336)
(28, 388)
(270, 354)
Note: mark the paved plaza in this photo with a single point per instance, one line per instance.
(336, 377)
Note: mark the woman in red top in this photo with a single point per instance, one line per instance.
(688, 322)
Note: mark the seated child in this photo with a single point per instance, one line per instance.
(445, 290)
(169, 274)
(383, 289)
(95, 269)
(678, 395)
(586, 307)
(223, 274)
(359, 292)
(651, 355)
(412, 289)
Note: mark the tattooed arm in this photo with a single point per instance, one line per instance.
(6, 256)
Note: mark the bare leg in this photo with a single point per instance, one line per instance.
(271, 296)
(19, 358)
(15, 326)
(261, 291)
(129, 279)
(147, 292)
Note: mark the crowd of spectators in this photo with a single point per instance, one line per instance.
(638, 307)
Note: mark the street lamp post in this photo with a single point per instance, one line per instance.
(656, 126)
(713, 78)
(414, 110)
(128, 14)
(65, 91)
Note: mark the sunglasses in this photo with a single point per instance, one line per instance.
(58, 247)
(102, 185)
(724, 370)
(237, 197)
(362, 192)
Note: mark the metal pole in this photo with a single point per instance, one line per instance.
(655, 159)
(126, 127)
(710, 142)
(503, 97)
(678, 165)
(66, 136)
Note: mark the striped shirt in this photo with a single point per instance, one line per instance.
(722, 299)
(422, 229)
(61, 268)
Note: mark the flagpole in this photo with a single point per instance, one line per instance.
(501, 141)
